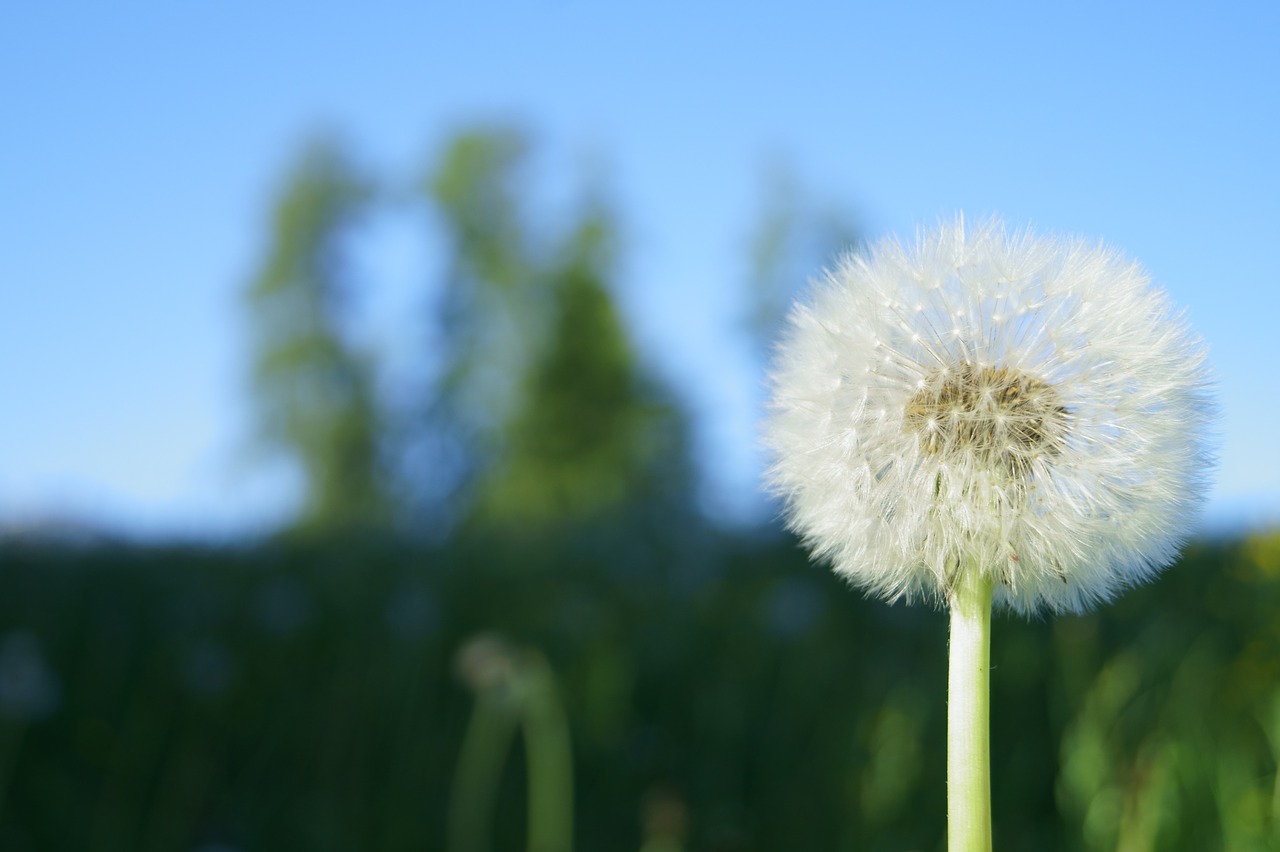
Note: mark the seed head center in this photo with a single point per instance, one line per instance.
(1001, 417)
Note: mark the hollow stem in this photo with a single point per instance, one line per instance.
(475, 786)
(513, 689)
(968, 713)
(550, 761)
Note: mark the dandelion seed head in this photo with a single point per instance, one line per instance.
(994, 401)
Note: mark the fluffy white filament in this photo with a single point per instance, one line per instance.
(990, 401)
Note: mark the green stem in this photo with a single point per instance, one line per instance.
(475, 786)
(968, 712)
(550, 763)
(523, 693)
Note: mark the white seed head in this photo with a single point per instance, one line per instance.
(991, 401)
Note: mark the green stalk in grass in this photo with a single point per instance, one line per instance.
(514, 689)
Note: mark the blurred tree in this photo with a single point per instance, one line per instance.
(592, 433)
(314, 392)
(485, 319)
(793, 239)
(558, 417)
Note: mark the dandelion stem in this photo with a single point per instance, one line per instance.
(512, 689)
(475, 786)
(968, 711)
(550, 760)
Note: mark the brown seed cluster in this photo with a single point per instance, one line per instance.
(1003, 418)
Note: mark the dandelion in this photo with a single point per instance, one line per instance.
(513, 687)
(990, 415)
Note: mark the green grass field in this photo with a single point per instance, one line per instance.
(722, 694)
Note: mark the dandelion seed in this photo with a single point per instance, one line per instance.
(1038, 417)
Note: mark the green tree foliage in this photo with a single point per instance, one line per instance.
(564, 423)
(314, 392)
(590, 433)
(477, 187)
(540, 412)
(486, 316)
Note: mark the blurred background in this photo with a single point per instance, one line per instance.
(379, 400)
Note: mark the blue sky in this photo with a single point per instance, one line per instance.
(142, 145)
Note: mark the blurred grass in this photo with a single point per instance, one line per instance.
(304, 696)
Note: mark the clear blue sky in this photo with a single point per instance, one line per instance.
(141, 143)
